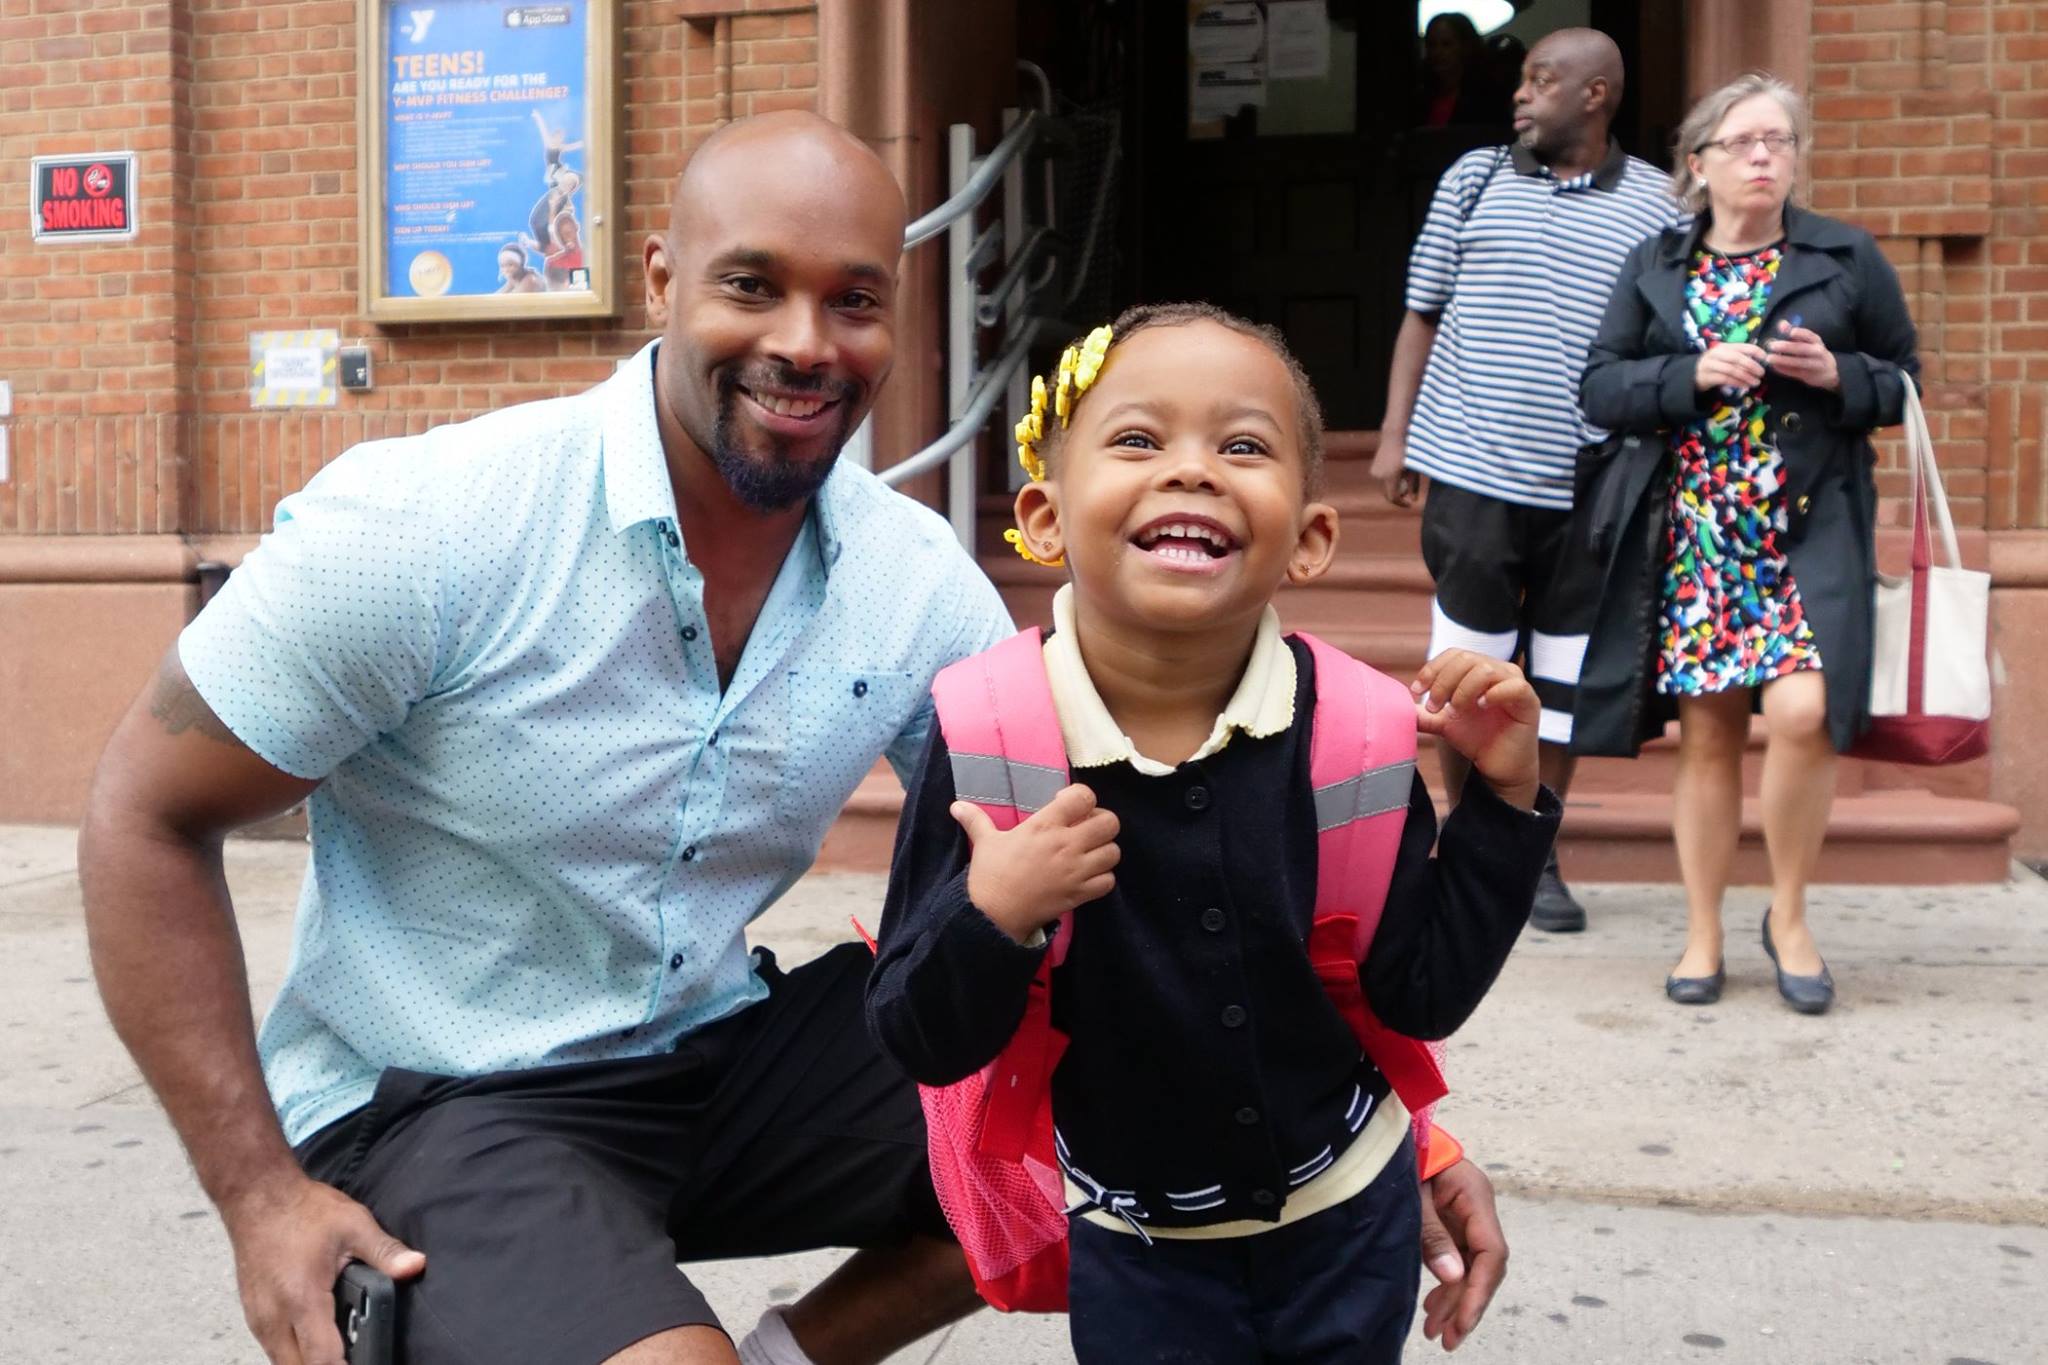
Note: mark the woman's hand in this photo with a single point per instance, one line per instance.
(1799, 353)
(1731, 365)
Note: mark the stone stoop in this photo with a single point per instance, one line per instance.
(1890, 824)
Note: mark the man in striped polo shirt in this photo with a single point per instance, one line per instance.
(1506, 286)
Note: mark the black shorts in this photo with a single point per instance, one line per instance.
(553, 1204)
(1512, 582)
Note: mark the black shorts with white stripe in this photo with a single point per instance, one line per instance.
(1511, 583)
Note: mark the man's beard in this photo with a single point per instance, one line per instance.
(774, 482)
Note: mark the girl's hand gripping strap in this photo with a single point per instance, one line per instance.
(1362, 767)
(1003, 734)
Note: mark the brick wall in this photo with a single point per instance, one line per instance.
(1933, 133)
(129, 361)
(91, 333)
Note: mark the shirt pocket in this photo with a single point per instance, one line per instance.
(840, 721)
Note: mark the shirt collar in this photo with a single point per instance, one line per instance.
(637, 487)
(1262, 705)
(1606, 175)
(636, 482)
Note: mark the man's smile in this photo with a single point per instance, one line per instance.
(789, 414)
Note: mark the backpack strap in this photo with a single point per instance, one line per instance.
(1008, 757)
(1362, 767)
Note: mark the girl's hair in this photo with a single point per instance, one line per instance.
(1712, 111)
(1308, 412)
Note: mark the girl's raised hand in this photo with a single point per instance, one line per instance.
(1057, 858)
(1486, 710)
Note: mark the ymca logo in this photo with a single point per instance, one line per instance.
(417, 23)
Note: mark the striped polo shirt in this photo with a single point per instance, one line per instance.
(1517, 266)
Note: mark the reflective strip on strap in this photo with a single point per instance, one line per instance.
(988, 779)
(1370, 793)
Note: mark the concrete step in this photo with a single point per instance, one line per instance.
(1874, 837)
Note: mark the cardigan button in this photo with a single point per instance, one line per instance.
(1247, 1117)
(1793, 421)
(1804, 504)
(1212, 920)
(1234, 1016)
(1196, 798)
(1265, 1199)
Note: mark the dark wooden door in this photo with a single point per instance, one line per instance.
(1293, 213)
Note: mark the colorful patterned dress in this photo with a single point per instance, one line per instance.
(1731, 615)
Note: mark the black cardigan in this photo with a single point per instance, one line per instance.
(1204, 1051)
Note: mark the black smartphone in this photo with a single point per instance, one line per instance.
(366, 1312)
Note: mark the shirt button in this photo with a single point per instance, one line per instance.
(668, 533)
(1196, 798)
(860, 687)
(1248, 1117)
(1265, 1199)
(1233, 1016)
(1212, 920)
(675, 963)
(689, 632)
(690, 854)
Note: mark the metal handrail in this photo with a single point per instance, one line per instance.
(978, 185)
(981, 402)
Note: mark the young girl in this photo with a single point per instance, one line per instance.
(1245, 1176)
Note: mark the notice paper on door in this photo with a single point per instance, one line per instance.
(1220, 91)
(1297, 40)
(1225, 33)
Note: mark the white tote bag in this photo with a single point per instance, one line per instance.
(1930, 683)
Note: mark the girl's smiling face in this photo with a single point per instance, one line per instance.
(1178, 493)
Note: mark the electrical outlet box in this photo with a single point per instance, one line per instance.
(353, 364)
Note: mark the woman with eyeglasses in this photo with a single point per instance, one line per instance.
(1742, 363)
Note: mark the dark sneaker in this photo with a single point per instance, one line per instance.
(1555, 912)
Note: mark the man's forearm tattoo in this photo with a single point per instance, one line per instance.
(178, 705)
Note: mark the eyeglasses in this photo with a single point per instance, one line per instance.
(1743, 144)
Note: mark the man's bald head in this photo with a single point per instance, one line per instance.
(787, 143)
(1583, 54)
(1570, 90)
(775, 291)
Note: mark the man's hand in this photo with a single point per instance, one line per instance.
(1730, 365)
(1488, 712)
(291, 1244)
(1390, 470)
(1027, 877)
(1799, 353)
(1463, 1246)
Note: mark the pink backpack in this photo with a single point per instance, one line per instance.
(991, 1134)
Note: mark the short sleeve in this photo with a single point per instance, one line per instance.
(1433, 262)
(325, 636)
(981, 622)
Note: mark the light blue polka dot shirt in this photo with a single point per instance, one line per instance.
(543, 828)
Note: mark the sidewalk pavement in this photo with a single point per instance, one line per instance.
(1733, 1184)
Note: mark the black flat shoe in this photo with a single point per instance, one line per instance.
(1806, 994)
(1696, 990)
(1554, 910)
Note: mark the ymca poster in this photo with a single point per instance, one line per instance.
(489, 159)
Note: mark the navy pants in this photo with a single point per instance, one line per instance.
(1339, 1286)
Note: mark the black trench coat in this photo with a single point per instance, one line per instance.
(1638, 385)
